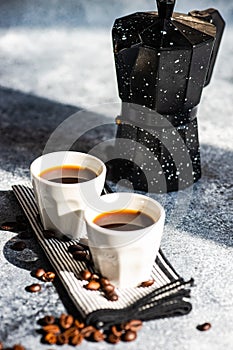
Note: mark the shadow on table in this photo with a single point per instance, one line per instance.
(27, 123)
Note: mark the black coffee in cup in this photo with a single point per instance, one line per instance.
(124, 220)
(68, 174)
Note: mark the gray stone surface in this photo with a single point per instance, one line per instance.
(197, 239)
(198, 235)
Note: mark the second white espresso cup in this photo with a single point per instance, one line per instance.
(125, 257)
(61, 205)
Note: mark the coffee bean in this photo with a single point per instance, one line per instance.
(76, 339)
(49, 234)
(80, 255)
(116, 331)
(71, 332)
(38, 273)
(109, 288)
(18, 246)
(79, 324)
(93, 285)
(98, 336)
(18, 347)
(129, 336)
(95, 277)
(87, 331)
(48, 276)
(112, 296)
(113, 339)
(62, 339)
(75, 248)
(66, 321)
(85, 275)
(147, 283)
(8, 226)
(133, 325)
(47, 320)
(51, 329)
(1, 346)
(204, 327)
(50, 338)
(33, 288)
(104, 281)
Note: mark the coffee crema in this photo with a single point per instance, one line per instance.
(68, 174)
(124, 220)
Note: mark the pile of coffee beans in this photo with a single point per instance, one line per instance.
(97, 282)
(67, 330)
(14, 347)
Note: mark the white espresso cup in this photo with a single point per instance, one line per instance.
(61, 205)
(125, 257)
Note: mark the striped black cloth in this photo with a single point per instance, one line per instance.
(168, 296)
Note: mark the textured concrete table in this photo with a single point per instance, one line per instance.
(198, 238)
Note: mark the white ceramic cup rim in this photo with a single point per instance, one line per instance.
(89, 217)
(62, 185)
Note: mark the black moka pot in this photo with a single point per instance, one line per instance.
(163, 61)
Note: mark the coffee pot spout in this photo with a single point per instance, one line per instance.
(212, 16)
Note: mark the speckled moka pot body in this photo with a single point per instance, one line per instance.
(163, 61)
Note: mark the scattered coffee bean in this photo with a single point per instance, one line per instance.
(75, 248)
(104, 281)
(80, 255)
(87, 331)
(76, 339)
(78, 324)
(18, 246)
(33, 288)
(129, 336)
(112, 296)
(93, 285)
(71, 332)
(147, 283)
(113, 339)
(49, 234)
(95, 277)
(62, 339)
(52, 329)
(50, 338)
(38, 273)
(18, 347)
(204, 327)
(86, 275)
(66, 321)
(116, 331)
(48, 276)
(8, 226)
(108, 288)
(98, 336)
(47, 320)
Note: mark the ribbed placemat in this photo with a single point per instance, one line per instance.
(166, 297)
